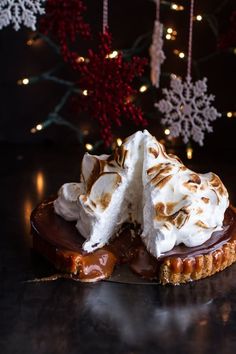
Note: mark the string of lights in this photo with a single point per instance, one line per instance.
(170, 34)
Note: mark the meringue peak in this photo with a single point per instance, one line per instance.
(141, 183)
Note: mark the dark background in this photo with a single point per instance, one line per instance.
(22, 107)
(68, 317)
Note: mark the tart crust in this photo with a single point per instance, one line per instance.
(177, 270)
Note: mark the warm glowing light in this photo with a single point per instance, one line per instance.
(176, 7)
(167, 131)
(180, 54)
(189, 152)
(25, 81)
(30, 42)
(80, 60)
(119, 141)
(174, 76)
(40, 183)
(112, 55)
(86, 132)
(39, 127)
(171, 34)
(85, 92)
(229, 114)
(26, 211)
(235, 51)
(129, 99)
(89, 147)
(143, 88)
(199, 17)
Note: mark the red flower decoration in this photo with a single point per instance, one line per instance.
(64, 20)
(228, 39)
(109, 92)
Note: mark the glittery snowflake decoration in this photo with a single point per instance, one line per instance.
(108, 86)
(156, 53)
(187, 109)
(20, 12)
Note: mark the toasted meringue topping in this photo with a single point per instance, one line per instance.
(141, 183)
(180, 206)
(67, 204)
(112, 190)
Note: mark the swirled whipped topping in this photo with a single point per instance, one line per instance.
(141, 183)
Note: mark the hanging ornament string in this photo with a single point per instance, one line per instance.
(105, 16)
(190, 40)
(187, 108)
(156, 53)
(157, 10)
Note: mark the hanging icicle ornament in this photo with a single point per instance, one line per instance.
(187, 107)
(20, 12)
(157, 55)
(107, 85)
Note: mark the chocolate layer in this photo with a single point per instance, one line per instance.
(60, 242)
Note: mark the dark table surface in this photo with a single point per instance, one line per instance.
(63, 316)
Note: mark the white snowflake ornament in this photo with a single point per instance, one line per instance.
(20, 12)
(187, 109)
